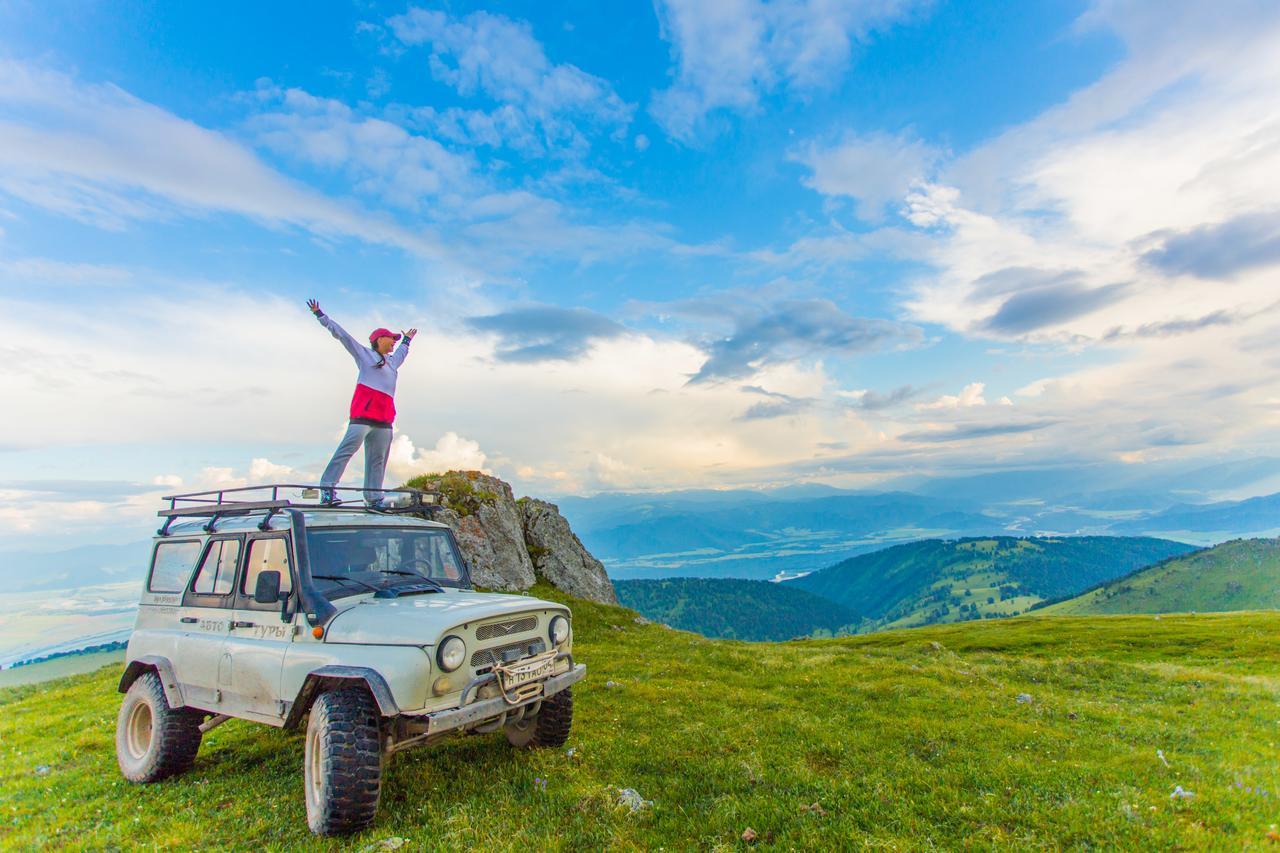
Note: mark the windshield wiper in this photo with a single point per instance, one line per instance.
(398, 572)
(344, 579)
(423, 584)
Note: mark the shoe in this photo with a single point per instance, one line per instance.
(378, 504)
(328, 497)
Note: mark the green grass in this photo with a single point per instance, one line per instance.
(1240, 575)
(906, 740)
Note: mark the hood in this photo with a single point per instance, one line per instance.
(420, 620)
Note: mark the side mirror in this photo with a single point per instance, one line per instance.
(268, 588)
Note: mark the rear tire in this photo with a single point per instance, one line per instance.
(549, 728)
(342, 769)
(153, 740)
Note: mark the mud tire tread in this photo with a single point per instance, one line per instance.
(352, 765)
(554, 720)
(175, 733)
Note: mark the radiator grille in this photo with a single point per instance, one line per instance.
(506, 629)
(508, 653)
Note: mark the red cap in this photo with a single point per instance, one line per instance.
(382, 333)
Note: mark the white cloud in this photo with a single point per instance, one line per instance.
(970, 395)
(98, 154)
(382, 159)
(1062, 228)
(876, 169)
(544, 105)
(451, 452)
(263, 470)
(729, 53)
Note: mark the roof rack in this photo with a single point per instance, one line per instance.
(273, 497)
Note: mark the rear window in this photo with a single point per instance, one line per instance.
(172, 566)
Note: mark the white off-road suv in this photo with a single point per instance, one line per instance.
(362, 622)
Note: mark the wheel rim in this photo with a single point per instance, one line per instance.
(137, 731)
(313, 762)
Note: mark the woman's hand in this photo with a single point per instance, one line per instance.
(314, 306)
(408, 336)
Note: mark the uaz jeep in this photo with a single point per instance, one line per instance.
(362, 622)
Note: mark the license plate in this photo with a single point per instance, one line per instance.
(524, 672)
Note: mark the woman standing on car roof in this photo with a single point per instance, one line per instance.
(373, 408)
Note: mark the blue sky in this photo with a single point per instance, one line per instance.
(687, 244)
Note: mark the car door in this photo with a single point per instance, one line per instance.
(258, 638)
(159, 627)
(205, 616)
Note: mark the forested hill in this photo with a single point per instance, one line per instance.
(733, 609)
(945, 581)
(1243, 574)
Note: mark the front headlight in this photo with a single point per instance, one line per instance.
(451, 653)
(559, 630)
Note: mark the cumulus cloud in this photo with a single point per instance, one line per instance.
(543, 104)
(970, 395)
(451, 452)
(545, 332)
(262, 470)
(730, 53)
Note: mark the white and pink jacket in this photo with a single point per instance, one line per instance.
(374, 400)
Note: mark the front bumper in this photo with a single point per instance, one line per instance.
(485, 709)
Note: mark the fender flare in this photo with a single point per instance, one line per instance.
(162, 667)
(336, 676)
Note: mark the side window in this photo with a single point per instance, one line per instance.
(218, 569)
(172, 566)
(267, 555)
(434, 551)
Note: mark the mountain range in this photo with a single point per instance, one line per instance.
(779, 533)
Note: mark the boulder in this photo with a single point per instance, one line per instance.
(559, 555)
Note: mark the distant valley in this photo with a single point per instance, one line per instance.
(770, 534)
(926, 582)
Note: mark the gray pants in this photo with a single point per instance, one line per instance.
(377, 444)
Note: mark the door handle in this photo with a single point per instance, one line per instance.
(188, 620)
(243, 625)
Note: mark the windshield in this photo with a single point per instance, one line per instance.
(352, 560)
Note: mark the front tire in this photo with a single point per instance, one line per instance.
(549, 728)
(153, 740)
(343, 762)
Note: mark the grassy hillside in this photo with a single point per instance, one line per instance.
(1239, 575)
(733, 609)
(933, 580)
(904, 740)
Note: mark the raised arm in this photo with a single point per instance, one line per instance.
(351, 344)
(402, 352)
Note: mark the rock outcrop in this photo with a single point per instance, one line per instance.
(507, 543)
(559, 555)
